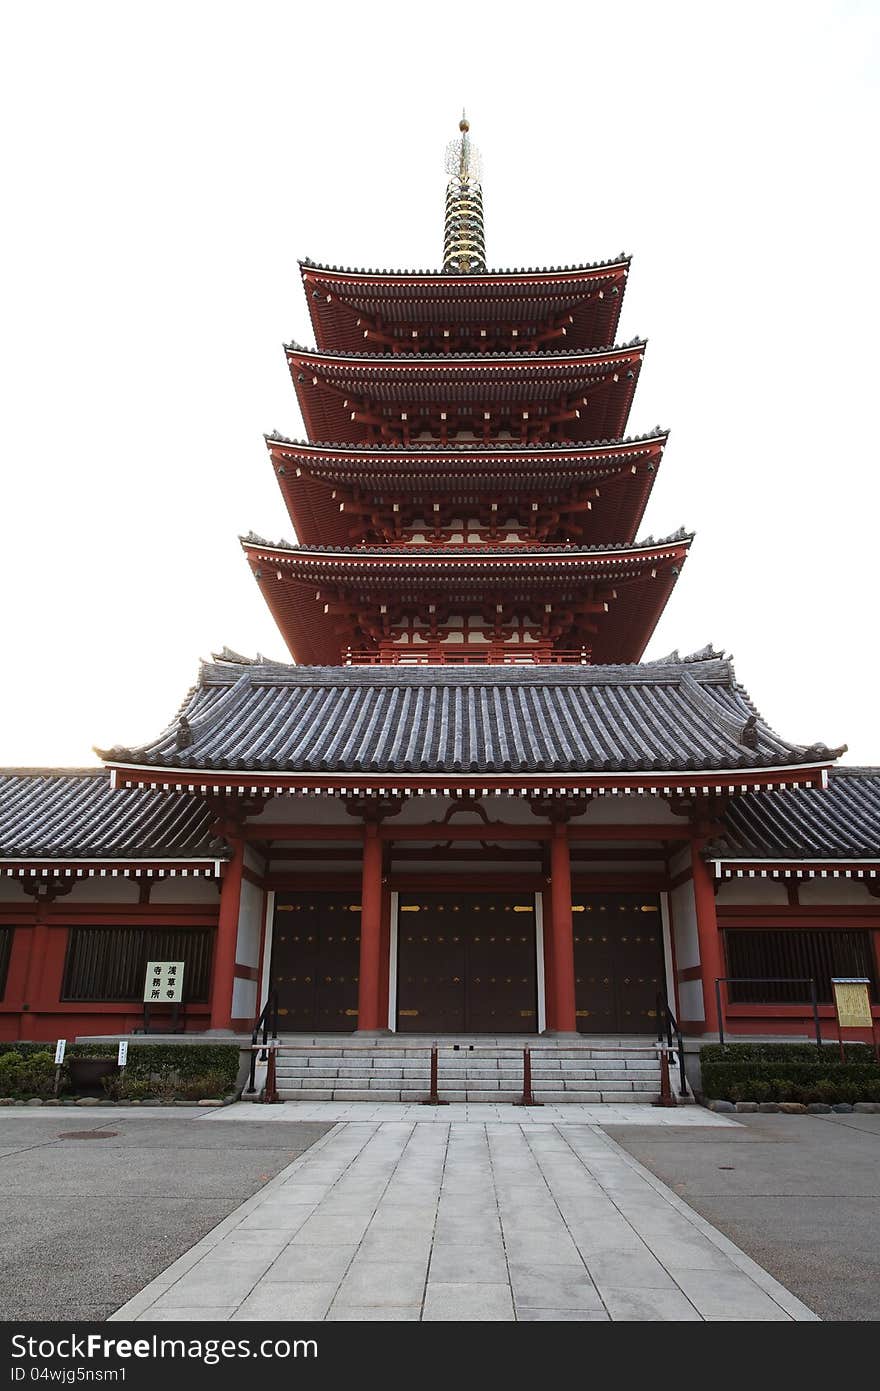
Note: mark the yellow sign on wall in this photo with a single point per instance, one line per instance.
(852, 1002)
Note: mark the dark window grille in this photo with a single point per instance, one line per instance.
(816, 953)
(6, 934)
(108, 963)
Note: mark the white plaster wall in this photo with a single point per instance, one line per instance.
(250, 922)
(254, 860)
(188, 890)
(684, 926)
(629, 811)
(752, 891)
(843, 891)
(690, 999)
(680, 861)
(244, 999)
(12, 892)
(104, 891)
(509, 868)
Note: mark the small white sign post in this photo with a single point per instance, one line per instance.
(60, 1048)
(122, 1055)
(163, 985)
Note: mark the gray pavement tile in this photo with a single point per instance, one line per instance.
(458, 1263)
(382, 1282)
(543, 1248)
(728, 1295)
(395, 1244)
(484, 1303)
(301, 1262)
(553, 1287)
(451, 1226)
(286, 1302)
(267, 1218)
(394, 1218)
(214, 1282)
(693, 1253)
(649, 1305)
(376, 1313)
(332, 1231)
(526, 1313)
(606, 1234)
(627, 1269)
(212, 1314)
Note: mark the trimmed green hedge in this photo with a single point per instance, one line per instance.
(785, 1053)
(788, 1072)
(163, 1068)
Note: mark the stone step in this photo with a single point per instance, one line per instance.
(551, 1097)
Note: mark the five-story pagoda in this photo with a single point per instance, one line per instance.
(468, 806)
(465, 494)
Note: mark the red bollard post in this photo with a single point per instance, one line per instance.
(666, 1097)
(434, 1098)
(527, 1098)
(270, 1095)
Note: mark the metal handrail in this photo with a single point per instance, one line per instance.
(270, 1013)
(668, 1024)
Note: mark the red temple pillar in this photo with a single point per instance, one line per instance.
(36, 965)
(561, 936)
(708, 936)
(369, 986)
(385, 947)
(546, 924)
(223, 974)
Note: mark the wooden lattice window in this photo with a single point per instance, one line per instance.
(816, 954)
(108, 963)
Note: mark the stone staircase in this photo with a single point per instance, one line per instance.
(398, 1069)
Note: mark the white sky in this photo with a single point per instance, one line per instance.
(166, 164)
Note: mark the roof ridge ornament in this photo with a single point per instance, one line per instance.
(464, 242)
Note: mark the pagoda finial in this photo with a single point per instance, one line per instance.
(464, 247)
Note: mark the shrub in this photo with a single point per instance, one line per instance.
(30, 1075)
(10, 1072)
(789, 1072)
(211, 1085)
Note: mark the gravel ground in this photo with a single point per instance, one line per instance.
(800, 1194)
(87, 1223)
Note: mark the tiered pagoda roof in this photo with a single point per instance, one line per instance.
(336, 494)
(414, 311)
(579, 395)
(598, 603)
(466, 493)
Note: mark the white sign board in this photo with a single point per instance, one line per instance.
(163, 984)
(122, 1056)
(59, 1050)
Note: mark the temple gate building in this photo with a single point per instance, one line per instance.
(469, 806)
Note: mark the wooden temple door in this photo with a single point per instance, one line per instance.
(315, 961)
(466, 963)
(618, 962)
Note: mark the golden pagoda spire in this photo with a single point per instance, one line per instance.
(464, 246)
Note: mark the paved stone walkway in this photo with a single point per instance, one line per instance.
(463, 1220)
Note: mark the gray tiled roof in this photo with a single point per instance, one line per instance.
(496, 719)
(74, 813)
(840, 822)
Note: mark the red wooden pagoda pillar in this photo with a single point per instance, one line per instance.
(223, 974)
(711, 955)
(385, 946)
(369, 986)
(546, 919)
(561, 937)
